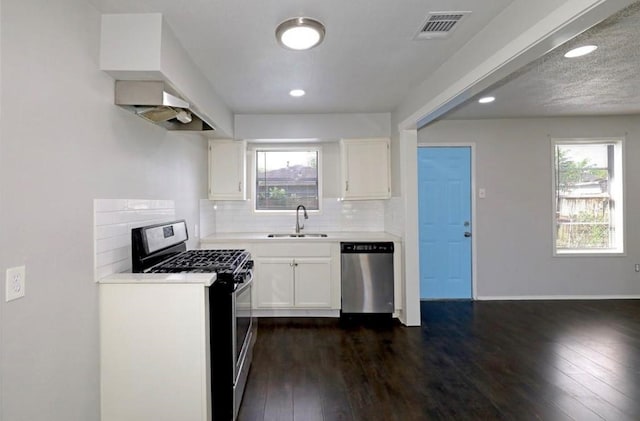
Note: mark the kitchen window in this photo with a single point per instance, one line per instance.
(286, 178)
(588, 197)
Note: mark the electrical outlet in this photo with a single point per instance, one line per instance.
(637, 267)
(15, 283)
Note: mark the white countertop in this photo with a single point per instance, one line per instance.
(331, 237)
(205, 279)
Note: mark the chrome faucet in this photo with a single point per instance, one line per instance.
(298, 226)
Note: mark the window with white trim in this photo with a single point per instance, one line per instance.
(588, 196)
(286, 178)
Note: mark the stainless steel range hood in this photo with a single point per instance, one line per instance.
(152, 101)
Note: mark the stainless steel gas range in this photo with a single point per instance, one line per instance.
(161, 248)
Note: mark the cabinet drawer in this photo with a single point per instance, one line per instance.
(292, 249)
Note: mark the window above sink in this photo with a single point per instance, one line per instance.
(287, 177)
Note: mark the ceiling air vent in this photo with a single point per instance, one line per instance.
(440, 24)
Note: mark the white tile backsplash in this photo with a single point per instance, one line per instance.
(207, 218)
(239, 216)
(113, 221)
(394, 216)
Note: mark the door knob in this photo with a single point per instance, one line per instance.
(467, 234)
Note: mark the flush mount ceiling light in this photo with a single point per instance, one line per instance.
(486, 99)
(300, 33)
(297, 92)
(581, 51)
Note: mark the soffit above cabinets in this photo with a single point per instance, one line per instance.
(155, 78)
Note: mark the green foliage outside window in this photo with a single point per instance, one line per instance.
(584, 205)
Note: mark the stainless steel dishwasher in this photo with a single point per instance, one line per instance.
(367, 278)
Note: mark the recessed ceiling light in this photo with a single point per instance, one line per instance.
(297, 92)
(486, 99)
(581, 51)
(300, 33)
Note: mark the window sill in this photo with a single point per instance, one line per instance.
(588, 253)
(284, 212)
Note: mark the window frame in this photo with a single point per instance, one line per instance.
(621, 210)
(289, 148)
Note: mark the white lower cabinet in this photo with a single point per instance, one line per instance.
(293, 282)
(154, 356)
(300, 277)
(297, 276)
(274, 283)
(312, 282)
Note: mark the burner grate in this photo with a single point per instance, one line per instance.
(224, 262)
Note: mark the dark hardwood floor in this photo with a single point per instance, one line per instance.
(499, 360)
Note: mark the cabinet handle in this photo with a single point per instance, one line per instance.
(239, 186)
(346, 185)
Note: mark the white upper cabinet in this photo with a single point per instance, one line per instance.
(227, 169)
(366, 172)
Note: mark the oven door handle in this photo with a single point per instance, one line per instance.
(249, 278)
(247, 282)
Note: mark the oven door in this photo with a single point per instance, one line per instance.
(243, 338)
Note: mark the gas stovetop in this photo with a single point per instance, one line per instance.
(206, 261)
(226, 263)
(162, 248)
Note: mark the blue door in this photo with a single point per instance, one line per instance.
(444, 200)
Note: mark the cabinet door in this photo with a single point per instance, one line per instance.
(227, 169)
(273, 281)
(312, 282)
(365, 169)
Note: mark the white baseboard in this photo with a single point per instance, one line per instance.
(295, 313)
(556, 297)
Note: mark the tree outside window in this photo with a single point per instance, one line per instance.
(588, 196)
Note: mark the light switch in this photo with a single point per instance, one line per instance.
(15, 283)
(482, 193)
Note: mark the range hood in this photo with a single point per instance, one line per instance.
(152, 101)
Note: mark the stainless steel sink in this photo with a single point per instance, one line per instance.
(309, 235)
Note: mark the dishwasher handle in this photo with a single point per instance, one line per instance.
(366, 247)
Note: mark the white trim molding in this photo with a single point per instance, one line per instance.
(619, 197)
(556, 297)
(294, 313)
(409, 177)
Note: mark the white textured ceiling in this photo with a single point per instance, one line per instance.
(606, 82)
(368, 61)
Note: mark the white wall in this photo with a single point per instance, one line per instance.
(514, 222)
(64, 144)
(2, 261)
